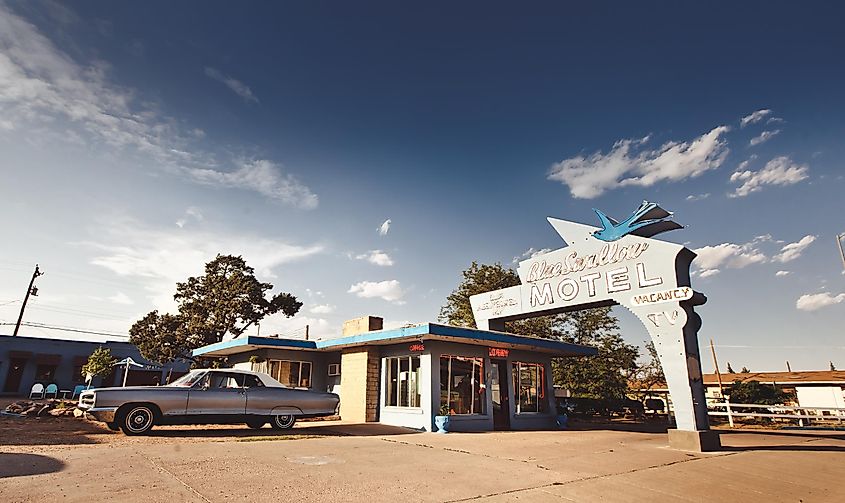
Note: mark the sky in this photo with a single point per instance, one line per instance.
(360, 156)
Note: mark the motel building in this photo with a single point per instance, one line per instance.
(486, 380)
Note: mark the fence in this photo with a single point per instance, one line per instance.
(777, 411)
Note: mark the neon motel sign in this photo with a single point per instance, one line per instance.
(617, 264)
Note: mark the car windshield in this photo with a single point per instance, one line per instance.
(188, 380)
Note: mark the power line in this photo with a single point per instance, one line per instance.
(67, 329)
(73, 312)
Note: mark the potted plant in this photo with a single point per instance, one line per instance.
(441, 421)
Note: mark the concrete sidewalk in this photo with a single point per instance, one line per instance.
(366, 464)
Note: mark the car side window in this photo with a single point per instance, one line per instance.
(251, 381)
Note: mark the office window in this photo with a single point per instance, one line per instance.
(291, 373)
(403, 381)
(77, 374)
(530, 387)
(462, 388)
(45, 373)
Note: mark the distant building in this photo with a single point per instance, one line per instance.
(812, 388)
(25, 361)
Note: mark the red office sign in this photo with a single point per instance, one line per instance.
(417, 347)
(499, 353)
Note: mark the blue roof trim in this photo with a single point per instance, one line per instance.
(485, 335)
(381, 335)
(402, 333)
(248, 341)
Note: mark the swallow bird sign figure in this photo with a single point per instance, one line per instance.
(620, 263)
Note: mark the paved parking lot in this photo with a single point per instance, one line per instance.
(339, 462)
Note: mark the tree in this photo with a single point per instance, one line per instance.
(99, 364)
(832, 367)
(603, 376)
(226, 300)
(744, 370)
(478, 278)
(650, 373)
(730, 369)
(754, 392)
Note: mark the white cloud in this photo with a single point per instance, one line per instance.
(794, 250)
(530, 253)
(778, 171)
(376, 257)
(763, 137)
(781, 274)
(192, 212)
(322, 309)
(698, 197)
(709, 272)
(384, 228)
(262, 176)
(628, 163)
(390, 290)
(159, 258)
(711, 259)
(121, 298)
(235, 85)
(43, 89)
(755, 117)
(812, 302)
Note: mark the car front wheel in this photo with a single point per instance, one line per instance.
(138, 420)
(283, 422)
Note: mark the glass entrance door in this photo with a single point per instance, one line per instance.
(499, 390)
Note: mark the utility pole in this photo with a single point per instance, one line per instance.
(839, 238)
(31, 290)
(716, 364)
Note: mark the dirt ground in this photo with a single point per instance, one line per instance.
(50, 459)
(37, 433)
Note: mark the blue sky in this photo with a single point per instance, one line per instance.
(138, 140)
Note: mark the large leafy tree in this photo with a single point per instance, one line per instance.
(650, 373)
(226, 300)
(603, 376)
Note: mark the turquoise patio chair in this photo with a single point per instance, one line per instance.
(51, 389)
(79, 388)
(37, 391)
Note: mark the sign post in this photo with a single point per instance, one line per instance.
(620, 264)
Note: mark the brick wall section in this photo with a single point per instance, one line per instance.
(359, 384)
(373, 379)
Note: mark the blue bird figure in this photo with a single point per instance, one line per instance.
(648, 220)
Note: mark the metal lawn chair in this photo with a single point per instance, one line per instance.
(79, 388)
(37, 392)
(52, 389)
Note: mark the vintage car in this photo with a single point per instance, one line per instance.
(206, 396)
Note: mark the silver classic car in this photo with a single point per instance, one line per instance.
(206, 396)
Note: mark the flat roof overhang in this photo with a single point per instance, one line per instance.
(416, 333)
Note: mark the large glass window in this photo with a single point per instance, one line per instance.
(403, 381)
(291, 373)
(530, 385)
(462, 385)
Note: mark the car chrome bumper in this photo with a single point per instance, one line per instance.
(104, 414)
